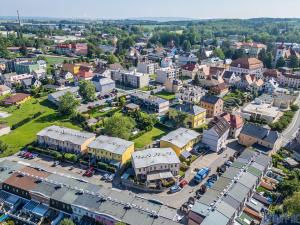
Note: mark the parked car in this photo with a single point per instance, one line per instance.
(221, 151)
(175, 188)
(56, 163)
(228, 163)
(183, 183)
(89, 172)
(22, 153)
(110, 178)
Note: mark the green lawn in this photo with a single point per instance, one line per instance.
(165, 95)
(149, 137)
(26, 134)
(51, 60)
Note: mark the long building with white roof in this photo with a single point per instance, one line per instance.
(155, 163)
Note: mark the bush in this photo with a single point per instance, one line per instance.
(102, 166)
(70, 157)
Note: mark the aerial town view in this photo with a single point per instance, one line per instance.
(148, 112)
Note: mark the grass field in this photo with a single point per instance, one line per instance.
(149, 137)
(26, 134)
(51, 60)
(165, 95)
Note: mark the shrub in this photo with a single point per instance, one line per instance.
(70, 157)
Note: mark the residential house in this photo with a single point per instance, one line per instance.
(230, 78)
(149, 102)
(173, 85)
(4, 90)
(259, 137)
(186, 58)
(147, 67)
(72, 68)
(195, 115)
(236, 124)
(103, 84)
(29, 83)
(66, 75)
(164, 74)
(180, 140)
(215, 138)
(285, 52)
(190, 70)
(220, 89)
(271, 86)
(212, 104)
(155, 164)
(55, 96)
(271, 74)
(130, 78)
(112, 150)
(225, 201)
(294, 146)
(69, 49)
(42, 64)
(166, 62)
(190, 93)
(85, 72)
(39, 74)
(26, 67)
(250, 66)
(289, 80)
(16, 99)
(13, 78)
(250, 83)
(251, 48)
(64, 139)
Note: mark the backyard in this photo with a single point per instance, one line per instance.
(26, 133)
(148, 137)
(165, 95)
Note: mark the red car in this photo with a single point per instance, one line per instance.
(27, 155)
(90, 172)
(183, 183)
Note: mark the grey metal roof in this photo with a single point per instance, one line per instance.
(66, 134)
(58, 94)
(231, 201)
(239, 192)
(214, 218)
(248, 180)
(65, 195)
(154, 156)
(209, 197)
(226, 209)
(231, 173)
(263, 160)
(111, 144)
(135, 216)
(260, 133)
(148, 98)
(180, 137)
(255, 205)
(221, 183)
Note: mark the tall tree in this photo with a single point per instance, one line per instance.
(119, 126)
(294, 61)
(68, 104)
(269, 60)
(87, 90)
(280, 62)
(218, 52)
(186, 46)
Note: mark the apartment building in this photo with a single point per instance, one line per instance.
(130, 78)
(261, 138)
(150, 103)
(215, 138)
(251, 66)
(155, 163)
(147, 67)
(164, 74)
(212, 104)
(191, 94)
(64, 139)
(112, 150)
(195, 115)
(180, 140)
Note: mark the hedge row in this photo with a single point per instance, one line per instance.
(106, 167)
(26, 120)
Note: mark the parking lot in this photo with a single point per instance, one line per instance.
(211, 160)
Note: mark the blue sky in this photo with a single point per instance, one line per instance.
(201, 9)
